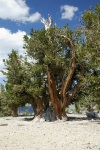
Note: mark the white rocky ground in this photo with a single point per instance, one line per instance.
(75, 134)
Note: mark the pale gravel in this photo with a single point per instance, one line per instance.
(17, 134)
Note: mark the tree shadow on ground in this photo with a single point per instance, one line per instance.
(70, 118)
(28, 119)
(81, 118)
(3, 124)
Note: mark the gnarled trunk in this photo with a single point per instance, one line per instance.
(57, 106)
(40, 106)
(67, 81)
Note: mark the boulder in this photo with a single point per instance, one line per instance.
(91, 115)
(49, 115)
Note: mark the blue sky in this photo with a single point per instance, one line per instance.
(17, 17)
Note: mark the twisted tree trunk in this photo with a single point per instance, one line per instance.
(76, 88)
(55, 102)
(40, 106)
(66, 82)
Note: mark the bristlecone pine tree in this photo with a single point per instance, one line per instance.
(64, 66)
(54, 51)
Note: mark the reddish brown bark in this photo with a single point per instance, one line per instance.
(67, 81)
(76, 88)
(53, 96)
(40, 105)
